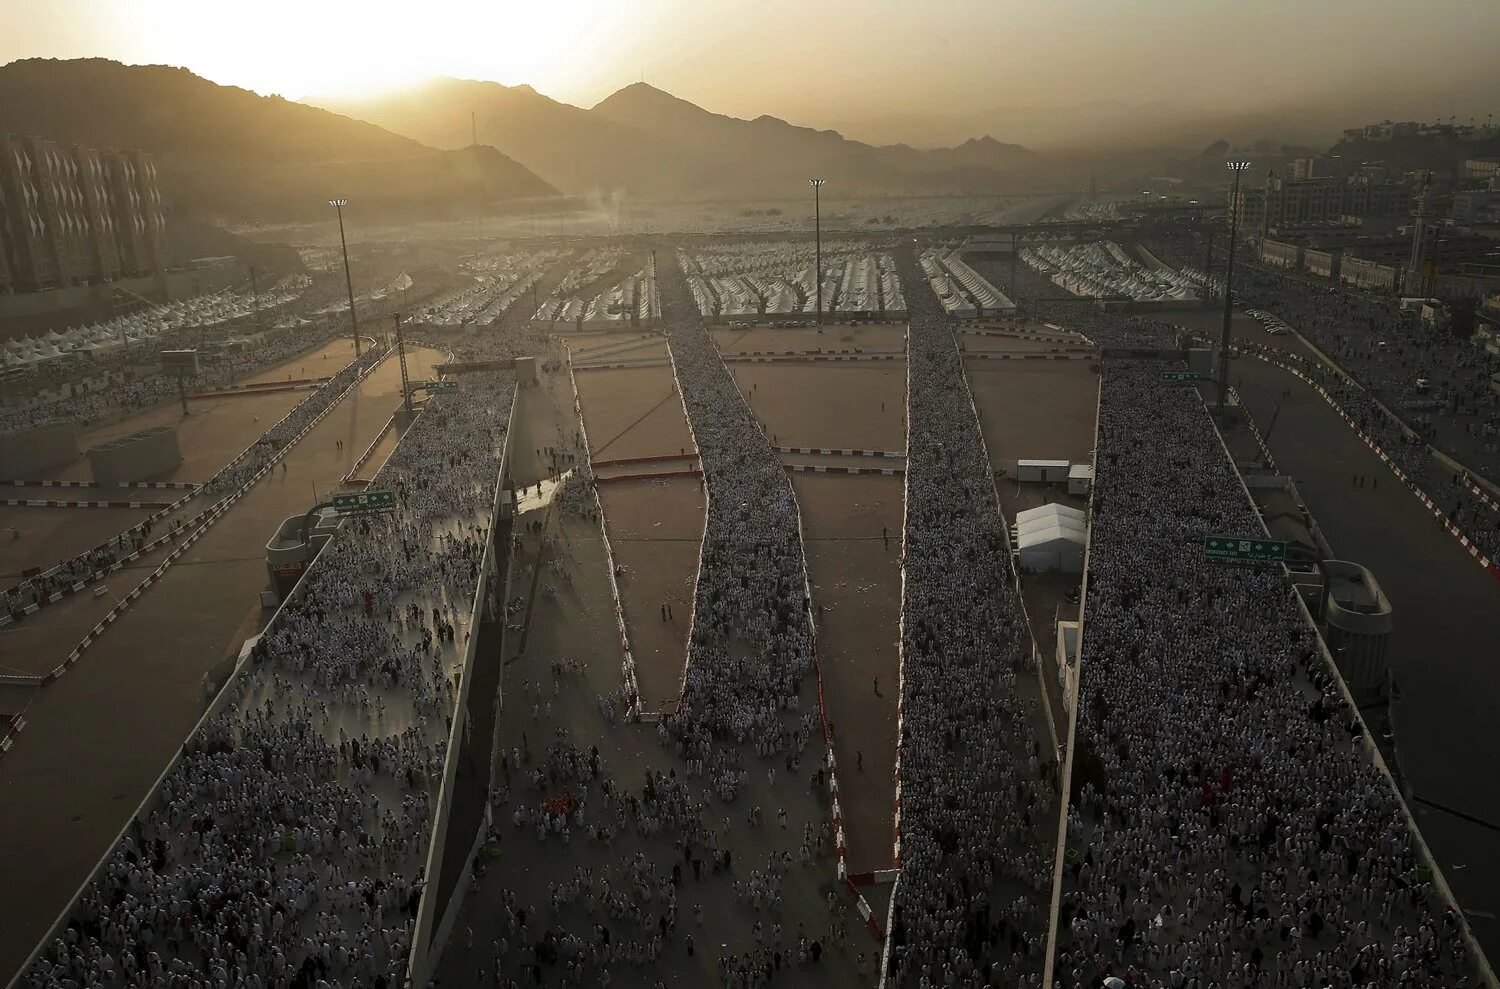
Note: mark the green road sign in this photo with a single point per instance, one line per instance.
(1231, 549)
(365, 501)
(1181, 376)
(433, 387)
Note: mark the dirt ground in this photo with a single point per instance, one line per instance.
(632, 412)
(656, 529)
(843, 406)
(1035, 410)
(856, 586)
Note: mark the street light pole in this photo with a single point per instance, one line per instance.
(817, 185)
(339, 205)
(1234, 226)
(401, 353)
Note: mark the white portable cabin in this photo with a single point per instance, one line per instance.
(1080, 479)
(1042, 471)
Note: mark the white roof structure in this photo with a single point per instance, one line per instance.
(1050, 538)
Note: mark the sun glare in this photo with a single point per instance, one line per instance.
(313, 49)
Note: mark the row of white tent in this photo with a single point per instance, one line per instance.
(1105, 269)
(961, 290)
(208, 310)
(781, 278)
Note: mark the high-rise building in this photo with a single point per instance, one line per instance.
(76, 215)
(1286, 202)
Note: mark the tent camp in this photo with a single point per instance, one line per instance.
(1051, 538)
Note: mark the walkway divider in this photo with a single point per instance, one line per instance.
(158, 485)
(41, 503)
(261, 386)
(8, 733)
(369, 451)
(657, 459)
(208, 518)
(650, 476)
(269, 389)
(708, 506)
(1492, 567)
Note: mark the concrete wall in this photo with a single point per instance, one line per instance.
(149, 453)
(24, 454)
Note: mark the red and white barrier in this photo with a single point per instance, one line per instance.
(157, 485)
(8, 732)
(35, 503)
(982, 355)
(824, 469)
(894, 454)
(815, 353)
(815, 357)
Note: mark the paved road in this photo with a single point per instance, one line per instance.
(1447, 615)
(98, 738)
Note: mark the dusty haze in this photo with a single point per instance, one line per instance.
(1088, 73)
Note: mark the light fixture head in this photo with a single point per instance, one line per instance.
(815, 183)
(1237, 166)
(338, 202)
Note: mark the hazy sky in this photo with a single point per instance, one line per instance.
(811, 61)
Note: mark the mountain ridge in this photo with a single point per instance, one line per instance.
(229, 153)
(646, 141)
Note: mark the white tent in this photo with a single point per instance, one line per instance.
(1051, 538)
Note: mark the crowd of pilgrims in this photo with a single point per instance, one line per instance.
(1234, 832)
(976, 788)
(1233, 829)
(751, 641)
(266, 449)
(285, 847)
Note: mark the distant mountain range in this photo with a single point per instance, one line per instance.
(648, 143)
(230, 154)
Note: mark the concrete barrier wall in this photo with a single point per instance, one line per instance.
(140, 455)
(431, 931)
(25, 453)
